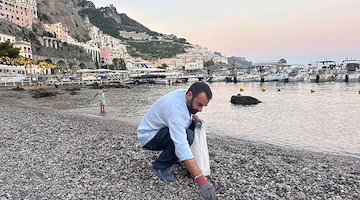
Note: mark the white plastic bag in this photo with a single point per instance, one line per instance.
(200, 150)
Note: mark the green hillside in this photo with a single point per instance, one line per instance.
(107, 19)
(109, 24)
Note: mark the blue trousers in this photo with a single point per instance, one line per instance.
(163, 142)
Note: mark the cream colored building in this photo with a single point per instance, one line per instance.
(25, 48)
(134, 35)
(94, 32)
(61, 32)
(4, 38)
(220, 59)
(196, 65)
(170, 62)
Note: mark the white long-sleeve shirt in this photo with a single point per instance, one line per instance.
(168, 111)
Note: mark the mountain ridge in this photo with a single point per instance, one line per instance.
(72, 15)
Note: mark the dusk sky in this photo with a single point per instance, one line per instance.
(259, 30)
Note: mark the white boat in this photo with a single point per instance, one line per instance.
(215, 78)
(321, 77)
(298, 74)
(349, 71)
(89, 76)
(248, 77)
(278, 76)
(324, 72)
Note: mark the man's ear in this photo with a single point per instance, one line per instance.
(189, 95)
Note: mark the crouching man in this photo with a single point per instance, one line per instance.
(168, 126)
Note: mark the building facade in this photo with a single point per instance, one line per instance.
(20, 12)
(25, 48)
(4, 38)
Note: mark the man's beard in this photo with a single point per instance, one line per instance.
(191, 109)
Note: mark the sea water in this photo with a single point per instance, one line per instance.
(314, 116)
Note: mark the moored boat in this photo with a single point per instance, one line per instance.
(323, 72)
(349, 71)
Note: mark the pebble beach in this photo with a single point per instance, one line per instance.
(54, 154)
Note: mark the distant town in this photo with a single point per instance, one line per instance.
(103, 48)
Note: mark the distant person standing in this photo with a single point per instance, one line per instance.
(101, 97)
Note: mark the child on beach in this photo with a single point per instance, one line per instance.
(101, 97)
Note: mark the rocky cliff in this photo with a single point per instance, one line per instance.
(71, 14)
(66, 51)
(65, 11)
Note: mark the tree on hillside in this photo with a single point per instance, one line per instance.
(119, 63)
(163, 66)
(209, 63)
(7, 49)
(182, 40)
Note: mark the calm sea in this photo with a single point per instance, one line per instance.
(290, 115)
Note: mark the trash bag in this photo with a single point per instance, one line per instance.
(200, 150)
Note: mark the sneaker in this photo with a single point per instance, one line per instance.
(164, 174)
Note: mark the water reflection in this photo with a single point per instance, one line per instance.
(325, 120)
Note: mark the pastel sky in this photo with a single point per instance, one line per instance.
(260, 30)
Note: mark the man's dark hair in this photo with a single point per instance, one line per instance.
(199, 87)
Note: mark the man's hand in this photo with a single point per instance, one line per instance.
(206, 188)
(198, 123)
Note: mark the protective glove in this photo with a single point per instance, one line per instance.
(206, 188)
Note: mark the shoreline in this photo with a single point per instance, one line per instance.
(52, 154)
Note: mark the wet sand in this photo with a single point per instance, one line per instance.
(52, 154)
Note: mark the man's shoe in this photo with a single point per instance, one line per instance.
(164, 174)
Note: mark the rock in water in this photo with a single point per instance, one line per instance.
(244, 100)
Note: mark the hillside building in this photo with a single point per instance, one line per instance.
(4, 38)
(134, 35)
(106, 55)
(20, 12)
(61, 32)
(24, 47)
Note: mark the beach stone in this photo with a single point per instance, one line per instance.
(58, 154)
(244, 100)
